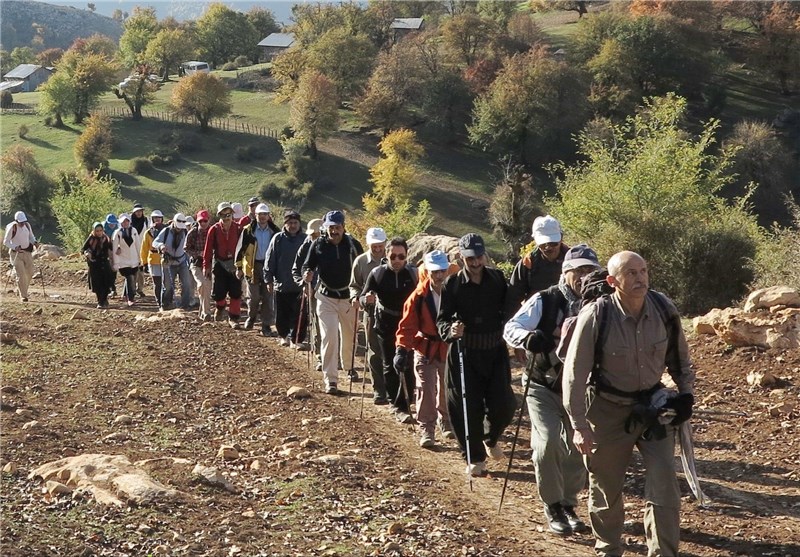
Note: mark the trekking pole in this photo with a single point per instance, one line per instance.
(296, 338)
(364, 371)
(464, 406)
(353, 358)
(514, 443)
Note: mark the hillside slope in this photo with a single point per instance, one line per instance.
(61, 24)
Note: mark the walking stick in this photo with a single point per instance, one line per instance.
(514, 443)
(296, 338)
(364, 371)
(464, 406)
(353, 359)
(41, 276)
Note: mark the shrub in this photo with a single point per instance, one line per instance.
(140, 165)
(93, 147)
(165, 157)
(48, 121)
(776, 261)
(166, 137)
(241, 61)
(24, 185)
(22, 131)
(6, 99)
(270, 190)
(229, 66)
(188, 142)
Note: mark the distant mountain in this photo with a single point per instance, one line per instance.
(58, 26)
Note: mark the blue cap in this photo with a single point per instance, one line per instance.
(436, 261)
(333, 217)
(471, 245)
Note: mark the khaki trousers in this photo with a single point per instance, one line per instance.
(431, 392)
(336, 323)
(203, 285)
(607, 465)
(23, 267)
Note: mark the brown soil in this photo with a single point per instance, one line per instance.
(387, 497)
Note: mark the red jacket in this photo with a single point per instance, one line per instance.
(220, 245)
(417, 329)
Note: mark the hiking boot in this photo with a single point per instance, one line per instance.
(353, 375)
(248, 323)
(300, 346)
(380, 400)
(130, 302)
(267, 331)
(495, 451)
(234, 323)
(219, 314)
(283, 342)
(24, 299)
(476, 469)
(575, 522)
(402, 415)
(331, 389)
(140, 292)
(557, 521)
(426, 440)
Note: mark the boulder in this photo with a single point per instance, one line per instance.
(211, 476)
(775, 329)
(420, 244)
(48, 252)
(228, 452)
(111, 479)
(766, 298)
(298, 392)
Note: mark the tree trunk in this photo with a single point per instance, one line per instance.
(203, 123)
(312, 149)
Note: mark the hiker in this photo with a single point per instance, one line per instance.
(616, 357)
(536, 327)
(331, 256)
(362, 266)
(313, 231)
(219, 259)
(252, 203)
(126, 258)
(289, 324)
(141, 223)
(539, 269)
(150, 255)
(256, 237)
(20, 241)
(195, 243)
(97, 250)
(110, 226)
(174, 262)
(471, 320)
(238, 213)
(417, 334)
(387, 287)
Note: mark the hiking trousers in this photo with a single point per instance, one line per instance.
(607, 465)
(259, 303)
(287, 316)
(560, 473)
(203, 285)
(374, 355)
(23, 268)
(337, 330)
(431, 392)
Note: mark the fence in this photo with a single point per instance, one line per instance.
(17, 108)
(225, 124)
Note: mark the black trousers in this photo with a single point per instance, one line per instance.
(287, 314)
(394, 391)
(487, 375)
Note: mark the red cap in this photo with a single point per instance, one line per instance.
(203, 215)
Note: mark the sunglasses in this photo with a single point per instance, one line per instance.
(395, 256)
(227, 215)
(181, 221)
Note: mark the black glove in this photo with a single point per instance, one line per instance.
(537, 341)
(400, 360)
(682, 404)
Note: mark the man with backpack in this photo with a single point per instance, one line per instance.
(331, 256)
(278, 278)
(387, 287)
(417, 334)
(471, 320)
(170, 243)
(20, 241)
(539, 269)
(256, 238)
(362, 267)
(619, 349)
(536, 327)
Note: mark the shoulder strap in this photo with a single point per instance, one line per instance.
(414, 273)
(13, 230)
(602, 332)
(672, 323)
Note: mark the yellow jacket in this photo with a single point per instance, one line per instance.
(153, 258)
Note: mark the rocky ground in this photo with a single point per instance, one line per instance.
(313, 476)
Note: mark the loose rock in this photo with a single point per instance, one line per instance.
(10, 468)
(79, 315)
(57, 488)
(228, 452)
(298, 392)
(33, 424)
(211, 476)
(123, 419)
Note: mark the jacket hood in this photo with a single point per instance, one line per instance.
(111, 219)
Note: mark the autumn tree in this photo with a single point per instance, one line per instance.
(167, 49)
(558, 5)
(514, 204)
(395, 174)
(468, 34)
(138, 30)
(223, 34)
(531, 109)
(314, 109)
(137, 90)
(313, 20)
(287, 68)
(101, 45)
(779, 45)
(88, 76)
(202, 96)
(24, 185)
(345, 58)
(57, 97)
(49, 57)
(93, 147)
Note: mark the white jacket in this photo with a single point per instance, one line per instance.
(123, 254)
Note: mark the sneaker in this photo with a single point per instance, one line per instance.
(248, 323)
(267, 331)
(331, 389)
(447, 430)
(495, 451)
(234, 324)
(403, 416)
(300, 346)
(575, 522)
(380, 400)
(130, 303)
(140, 293)
(318, 367)
(476, 469)
(557, 521)
(283, 342)
(426, 440)
(219, 314)
(353, 375)
(24, 299)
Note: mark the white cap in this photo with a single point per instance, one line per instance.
(376, 236)
(436, 261)
(179, 221)
(545, 230)
(122, 217)
(314, 226)
(156, 213)
(238, 211)
(19, 216)
(262, 208)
